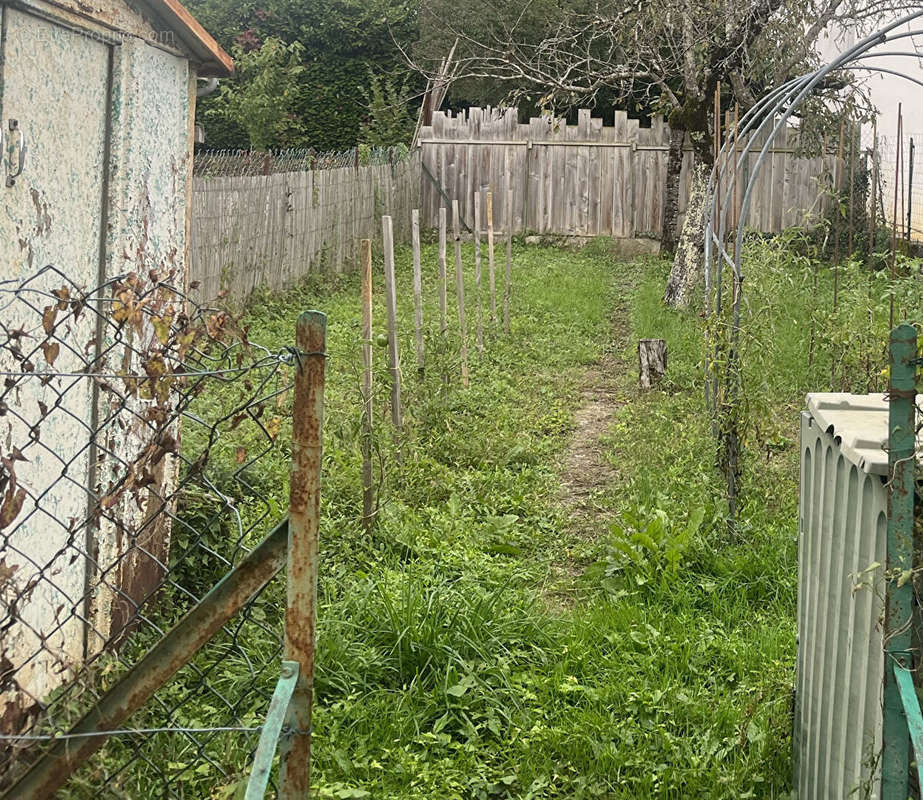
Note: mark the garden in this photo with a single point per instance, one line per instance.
(528, 621)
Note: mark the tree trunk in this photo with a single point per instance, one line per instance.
(668, 231)
(688, 258)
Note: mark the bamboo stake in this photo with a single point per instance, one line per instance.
(837, 183)
(417, 288)
(368, 489)
(394, 358)
(509, 260)
(897, 167)
(852, 185)
(477, 269)
(490, 257)
(460, 295)
(443, 326)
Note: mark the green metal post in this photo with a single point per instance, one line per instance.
(895, 762)
(304, 516)
(269, 737)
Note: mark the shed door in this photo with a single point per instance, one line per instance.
(55, 84)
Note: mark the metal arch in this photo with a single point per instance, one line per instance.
(771, 112)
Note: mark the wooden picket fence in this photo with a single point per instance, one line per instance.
(270, 231)
(592, 179)
(588, 179)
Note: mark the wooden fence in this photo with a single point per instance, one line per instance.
(590, 179)
(593, 179)
(272, 230)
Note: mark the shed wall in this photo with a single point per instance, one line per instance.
(103, 193)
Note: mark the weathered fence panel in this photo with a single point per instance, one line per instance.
(252, 231)
(306, 213)
(592, 178)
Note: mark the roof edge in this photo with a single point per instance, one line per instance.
(214, 61)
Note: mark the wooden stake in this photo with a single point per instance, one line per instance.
(737, 174)
(852, 184)
(873, 196)
(368, 489)
(873, 213)
(417, 287)
(509, 260)
(894, 218)
(477, 269)
(838, 187)
(394, 359)
(460, 294)
(443, 326)
(490, 257)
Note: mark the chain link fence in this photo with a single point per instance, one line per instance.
(144, 445)
(231, 163)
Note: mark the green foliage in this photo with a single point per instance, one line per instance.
(262, 100)
(649, 545)
(389, 119)
(340, 41)
(475, 646)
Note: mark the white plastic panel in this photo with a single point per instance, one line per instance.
(842, 537)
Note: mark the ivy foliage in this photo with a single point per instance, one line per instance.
(303, 70)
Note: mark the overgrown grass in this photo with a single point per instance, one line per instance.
(445, 668)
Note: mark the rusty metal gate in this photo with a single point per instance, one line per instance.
(145, 521)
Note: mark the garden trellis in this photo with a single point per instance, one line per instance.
(730, 196)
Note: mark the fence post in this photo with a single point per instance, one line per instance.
(460, 295)
(394, 357)
(304, 516)
(368, 489)
(895, 761)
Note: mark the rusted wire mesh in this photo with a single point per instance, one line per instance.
(140, 444)
(230, 163)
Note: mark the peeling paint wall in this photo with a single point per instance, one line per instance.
(147, 232)
(103, 193)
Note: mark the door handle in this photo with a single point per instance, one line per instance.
(12, 175)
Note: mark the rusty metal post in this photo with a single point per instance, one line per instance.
(304, 516)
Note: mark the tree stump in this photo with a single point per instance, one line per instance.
(652, 359)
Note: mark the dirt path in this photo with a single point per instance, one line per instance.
(587, 474)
